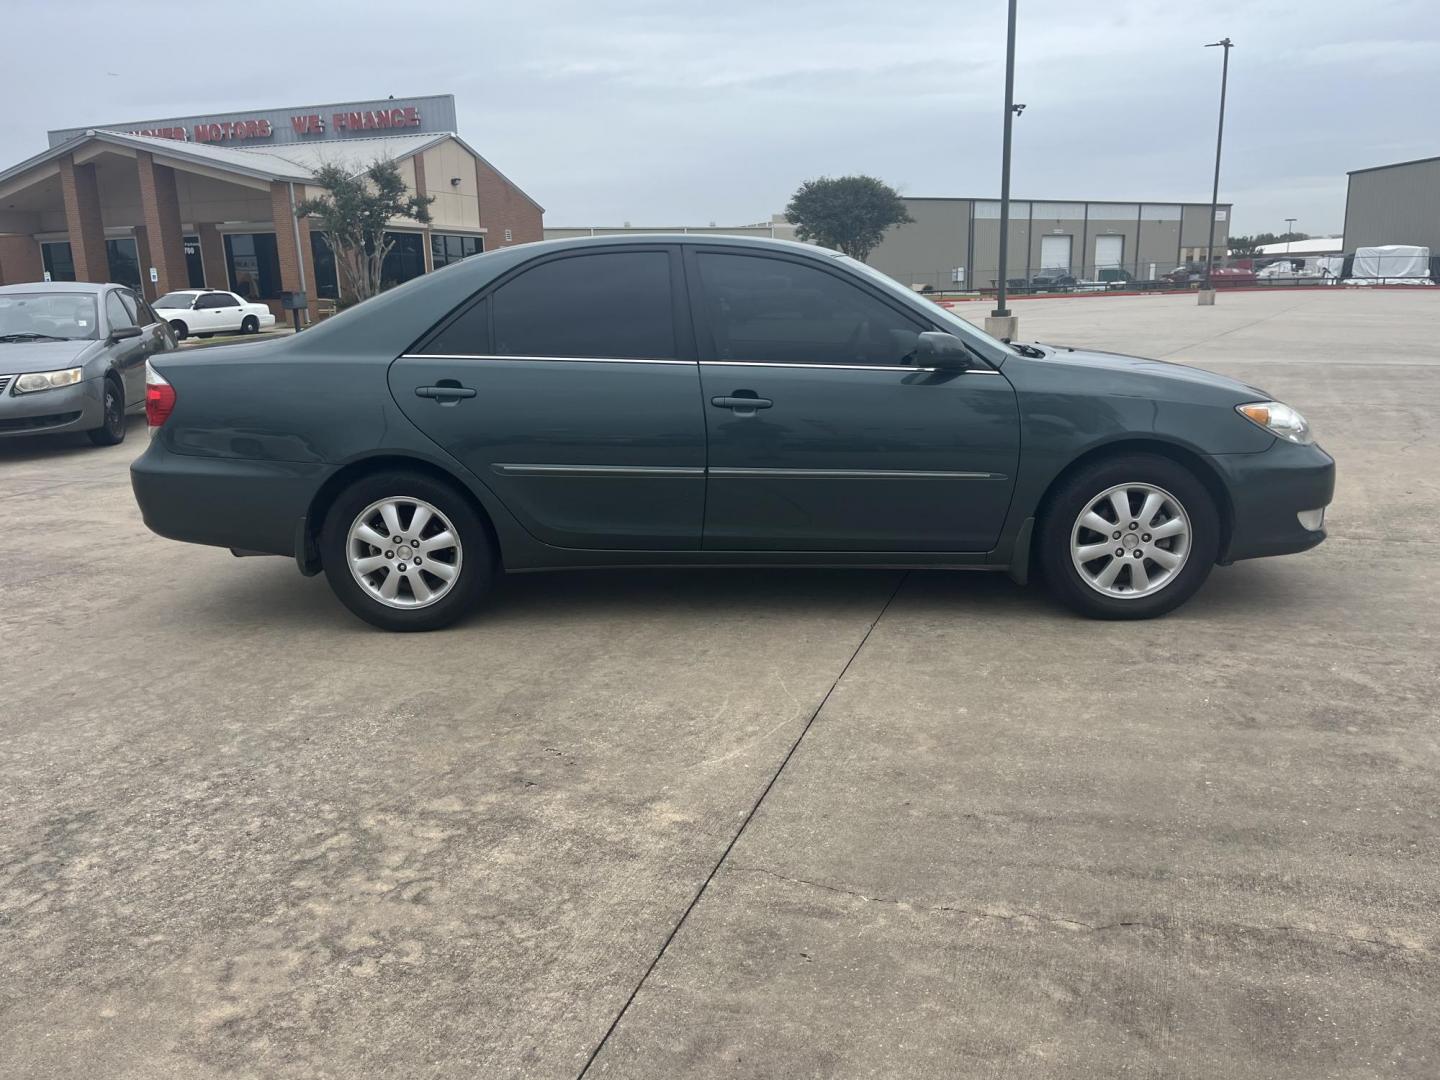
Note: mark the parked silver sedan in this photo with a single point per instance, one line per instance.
(72, 358)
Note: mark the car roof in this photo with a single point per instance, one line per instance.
(61, 286)
(765, 243)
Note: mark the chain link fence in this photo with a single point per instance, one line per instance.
(1248, 271)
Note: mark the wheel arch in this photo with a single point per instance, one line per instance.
(1181, 455)
(307, 551)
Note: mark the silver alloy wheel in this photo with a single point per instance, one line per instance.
(1131, 540)
(403, 552)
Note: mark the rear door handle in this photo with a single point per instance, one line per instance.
(730, 402)
(444, 393)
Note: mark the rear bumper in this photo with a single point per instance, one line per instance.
(70, 408)
(225, 502)
(1268, 492)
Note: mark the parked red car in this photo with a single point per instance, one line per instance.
(1222, 277)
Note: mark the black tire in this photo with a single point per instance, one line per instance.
(1076, 495)
(111, 431)
(181, 330)
(477, 553)
(250, 325)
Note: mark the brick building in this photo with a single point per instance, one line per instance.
(207, 201)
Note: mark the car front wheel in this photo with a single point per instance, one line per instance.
(406, 552)
(111, 431)
(1129, 537)
(250, 325)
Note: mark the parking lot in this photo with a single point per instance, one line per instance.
(748, 823)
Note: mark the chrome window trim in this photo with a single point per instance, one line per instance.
(551, 359)
(690, 363)
(842, 367)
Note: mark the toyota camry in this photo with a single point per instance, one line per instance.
(689, 401)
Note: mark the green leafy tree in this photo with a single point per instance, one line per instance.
(353, 215)
(850, 213)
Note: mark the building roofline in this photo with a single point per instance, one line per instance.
(476, 153)
(164, 148)
(1393, 165)
(1072, 199)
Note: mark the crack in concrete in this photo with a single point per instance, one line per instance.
(1060, 920)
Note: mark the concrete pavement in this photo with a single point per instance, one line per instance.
(245, 836)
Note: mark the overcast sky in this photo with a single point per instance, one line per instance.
(678, 112)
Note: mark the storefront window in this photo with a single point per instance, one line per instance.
(59, 263)
(254, 265)
(405, 260)
(124, 262)
(194, 266)
(327, 281)
(447, 248)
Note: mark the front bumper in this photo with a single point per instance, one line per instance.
(1268, 493)
(70, 408)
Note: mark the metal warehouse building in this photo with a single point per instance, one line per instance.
(955, 242)
(1394, 204)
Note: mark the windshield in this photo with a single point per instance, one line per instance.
(176, 300)
(47, 316)
(945, 315)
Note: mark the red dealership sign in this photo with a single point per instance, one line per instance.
(304, 124)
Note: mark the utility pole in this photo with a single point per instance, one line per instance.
(1001, 323)
(1289, 231)
(1207, 292)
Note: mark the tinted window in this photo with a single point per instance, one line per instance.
(115, 311)
(128, 299)
(785, 312)
(611, 304)
(147, 314)
(468, 335)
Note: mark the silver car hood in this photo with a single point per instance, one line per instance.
(18, 357)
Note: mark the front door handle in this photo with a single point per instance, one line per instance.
(735, 402)
(445, 393)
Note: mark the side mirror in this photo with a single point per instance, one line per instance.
(937, 349)
(120, 333)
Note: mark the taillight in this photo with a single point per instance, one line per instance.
(159, 398)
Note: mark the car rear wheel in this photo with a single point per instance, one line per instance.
(111, 431)
(181, 330)
(406, 552)
(1129, 537)
(250, 325)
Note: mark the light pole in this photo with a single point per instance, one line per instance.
(1001, 323)
(1207, 294)
(1289, 230)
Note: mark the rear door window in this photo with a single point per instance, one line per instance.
(609, 304)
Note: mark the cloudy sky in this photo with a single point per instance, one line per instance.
(674, 112)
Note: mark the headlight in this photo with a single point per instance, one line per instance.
(1278, 419)
(47, 380)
